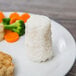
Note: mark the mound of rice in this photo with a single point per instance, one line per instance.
(38, 42)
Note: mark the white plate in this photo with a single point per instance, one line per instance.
(64, 49)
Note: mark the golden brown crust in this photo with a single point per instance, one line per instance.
(1, 36)
(6, 65)
(1, 32)
(1, 28)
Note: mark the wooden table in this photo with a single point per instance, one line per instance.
(62, 11)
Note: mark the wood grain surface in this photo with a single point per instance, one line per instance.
(62, 11)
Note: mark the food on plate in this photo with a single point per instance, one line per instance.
(18, 27)
(15, 23)
(1, 36)
(6, 65)
(1, 16)
(13, 20)
(15, 16)
(11, 36)
(38, 42)
(25, 17)
(6, 21)
(1, 28)
(7, 31)
(1, 32)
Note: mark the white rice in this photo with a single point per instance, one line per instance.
(38, 42)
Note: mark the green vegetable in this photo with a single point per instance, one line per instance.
(18, 27)
(6, 21)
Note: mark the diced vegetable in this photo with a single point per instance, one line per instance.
(1, 16)
(15, 14)
(11, 36)
(7, 31)
(18, 27)
(14, 26)
(25, 17)
(13, 20)
(13, 17)
(6, 21)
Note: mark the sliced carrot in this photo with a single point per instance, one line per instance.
(11, 37)
(13, 19)
(7, 31)
(1, 16)
(0, 20)
(15, 14)
(25, 17)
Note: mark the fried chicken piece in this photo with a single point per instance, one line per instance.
(6, 65)
(1, 32)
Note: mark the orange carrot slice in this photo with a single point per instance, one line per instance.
(1, 16)
(11, 37)
(25, 17)
(15, 14)
(7, 31)
(13, 19)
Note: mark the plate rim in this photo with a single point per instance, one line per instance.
(74, 44)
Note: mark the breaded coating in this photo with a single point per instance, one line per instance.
(1, 32)
(6, 65)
